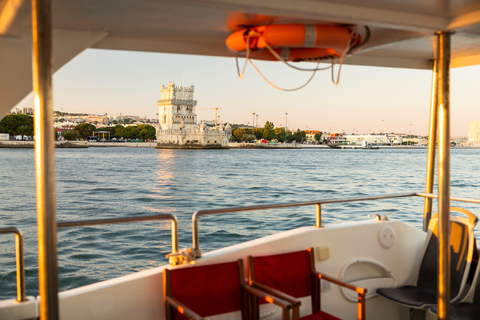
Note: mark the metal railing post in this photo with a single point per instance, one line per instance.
(21, 295)
(432, 141)
(444, 175)
(195, 236)
(44, 158)
(318, 223)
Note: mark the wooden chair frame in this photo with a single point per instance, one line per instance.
(316, 289)
(249, 297)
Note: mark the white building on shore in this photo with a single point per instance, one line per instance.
(360, 139)
(473, 132)
(177, 122)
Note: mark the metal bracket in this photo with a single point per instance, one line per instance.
(183, 256)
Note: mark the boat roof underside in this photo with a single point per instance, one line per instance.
(402, 32)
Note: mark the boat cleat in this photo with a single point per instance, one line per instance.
(183, 256)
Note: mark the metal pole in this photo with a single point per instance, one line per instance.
(21, 296)
(444, 175)
(432, 140)
(44, 158)
(195, 235)
(318, 223)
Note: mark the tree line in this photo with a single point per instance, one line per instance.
(84, 130)
(22, 124)
(17, 125)
(269, 132)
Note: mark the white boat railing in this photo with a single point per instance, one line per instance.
(21, 295)
(166, 216)
(318, 203)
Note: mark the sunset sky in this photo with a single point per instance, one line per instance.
(366, 100)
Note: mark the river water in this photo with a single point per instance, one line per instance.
(123, 182)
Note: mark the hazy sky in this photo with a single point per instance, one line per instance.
(367, 99)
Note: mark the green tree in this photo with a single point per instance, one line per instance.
(83, 130)
(117, 130)
(318, 136)
(299, 136)
(258, 132)
(238, 134)
(127, 132)
(268, 132)
(280, 134)
(248, 137)
(17, 124)
(69, 135)
(146, 132)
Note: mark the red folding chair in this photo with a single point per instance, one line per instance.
(197, 292)
(291, 276)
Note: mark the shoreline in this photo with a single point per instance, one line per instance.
(272, 146)
(78, 144)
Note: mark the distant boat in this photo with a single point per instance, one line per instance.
(367, 145)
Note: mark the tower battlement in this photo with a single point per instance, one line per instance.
(176, 106)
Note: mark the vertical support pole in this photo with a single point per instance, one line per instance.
(444, 175)
(21, 297)
(44, 158)
(174, 234)
(318, 223)
(432, 141)
(195, 240)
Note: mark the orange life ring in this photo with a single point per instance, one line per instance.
(306, 42)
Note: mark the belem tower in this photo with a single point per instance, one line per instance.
(177, 122)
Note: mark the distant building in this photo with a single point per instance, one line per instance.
(310, 134)
(177, 122)
(359, 139)
(64, 126)
(101, 120)
(27, 110)
(473, 132)
(23, 110)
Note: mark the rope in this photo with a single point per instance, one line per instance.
(279, 58)
(247, 58)
(282, 89)
(345, 52)
(340, 63)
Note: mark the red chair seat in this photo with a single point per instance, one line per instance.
(320, 315)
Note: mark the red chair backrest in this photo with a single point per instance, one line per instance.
(207, 290)
(288, 272)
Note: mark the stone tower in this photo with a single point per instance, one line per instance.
(176, 107)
